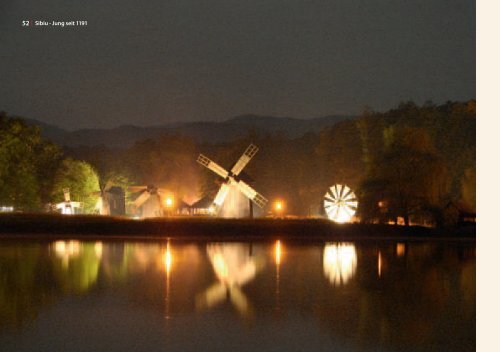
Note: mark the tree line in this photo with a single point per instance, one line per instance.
(411, 162)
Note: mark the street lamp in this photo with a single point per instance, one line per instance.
(279, 206)
(169, 204)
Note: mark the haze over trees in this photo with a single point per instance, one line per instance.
(413, 162)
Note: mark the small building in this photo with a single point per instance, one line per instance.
(204, 206)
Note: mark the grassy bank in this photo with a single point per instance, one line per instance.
(20, 225)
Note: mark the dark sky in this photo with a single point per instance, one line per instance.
(149, 62)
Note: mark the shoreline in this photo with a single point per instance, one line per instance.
(50, 226)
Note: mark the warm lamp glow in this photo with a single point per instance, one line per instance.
(169, 202)
(278, 205)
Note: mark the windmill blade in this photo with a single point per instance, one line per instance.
(244, 159)
(252, 194)
(141, 199)
(239, 300)
(212, 296)
(219, 170)
(221, 195)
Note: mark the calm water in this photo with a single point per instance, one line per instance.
(275, 296)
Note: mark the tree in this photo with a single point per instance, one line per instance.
(81, 179)
(27, 164)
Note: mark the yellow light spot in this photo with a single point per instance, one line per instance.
(167, 260)
(169, 202)
(278, 205)
(277, 252)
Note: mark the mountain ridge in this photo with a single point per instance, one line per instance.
(124, 136)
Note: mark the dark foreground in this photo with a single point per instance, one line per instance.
(22, 225)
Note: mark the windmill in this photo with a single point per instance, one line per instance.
(102, 205)
(233, 178)
(67, 207)
(149, 200)
(111, 200)
(340, 203)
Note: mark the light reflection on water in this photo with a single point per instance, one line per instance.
(385, 295)
(339, 262)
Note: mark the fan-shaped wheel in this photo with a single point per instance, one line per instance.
(340, 203)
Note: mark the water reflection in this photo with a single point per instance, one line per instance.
(234, 266)
(339, 262)
(425, 291)
(400, 249)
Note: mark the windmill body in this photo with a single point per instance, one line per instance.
(148, 202)
(233, 180)
(111, 200)
(67, 207)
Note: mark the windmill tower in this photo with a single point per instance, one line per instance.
(67, 207)
(233, 179)
(149, 200)
(102, 205)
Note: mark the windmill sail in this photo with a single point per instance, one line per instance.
(142, 198)
(244, 159)
(221, 195)
(219, 170)
(252, 194)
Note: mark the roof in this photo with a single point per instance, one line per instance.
(203, 203)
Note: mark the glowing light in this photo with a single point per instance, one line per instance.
(277, 252)
(400, 249)
(379, 264)
(167, 260)
(278, 205)
(339, 262)
(340, 203)
(169, 201)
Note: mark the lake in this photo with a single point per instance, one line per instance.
(168, 295)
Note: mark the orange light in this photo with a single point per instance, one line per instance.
(278, 205)
(277, 252)
(169, 202)
(167, 260)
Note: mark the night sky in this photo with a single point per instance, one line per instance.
(149, 62)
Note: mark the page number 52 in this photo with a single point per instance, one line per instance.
(26, 23)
